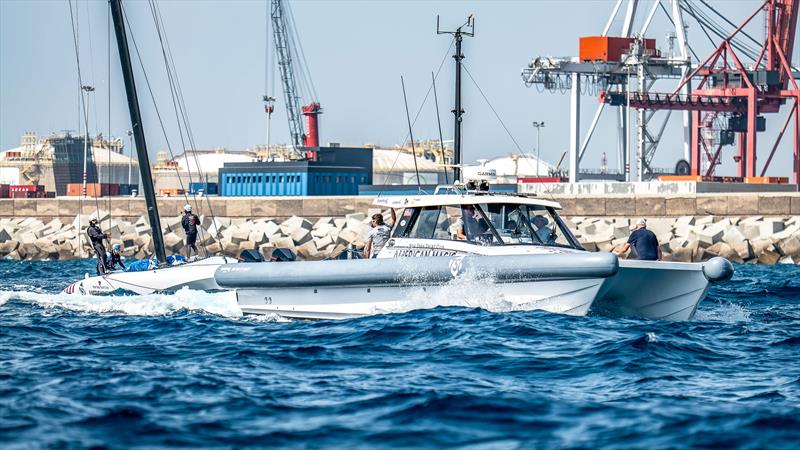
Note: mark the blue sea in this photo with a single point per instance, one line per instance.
(188, 371)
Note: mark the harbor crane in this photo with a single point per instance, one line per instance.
(737, 95)
(289, 57)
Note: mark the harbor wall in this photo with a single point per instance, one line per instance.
(762, 228)
(719, 204)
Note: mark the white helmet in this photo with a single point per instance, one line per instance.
(187, 207)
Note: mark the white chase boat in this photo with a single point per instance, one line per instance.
(519, 245)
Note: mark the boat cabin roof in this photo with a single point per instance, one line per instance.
(414, 201)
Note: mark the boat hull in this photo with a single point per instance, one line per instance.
(566, 284)
(198, 275)
(658, 290)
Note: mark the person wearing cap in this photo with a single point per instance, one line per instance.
(644, 242)
(115, 257)
(189, 223)
(96, 237)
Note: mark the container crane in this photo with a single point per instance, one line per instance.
(286, 50)
(736, 95)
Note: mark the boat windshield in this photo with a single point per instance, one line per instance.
(486, 224)
(527, 224)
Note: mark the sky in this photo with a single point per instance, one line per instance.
(356, 53)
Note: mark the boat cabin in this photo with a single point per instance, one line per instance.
(479, 220)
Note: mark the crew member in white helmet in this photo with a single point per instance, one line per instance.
(189, 223)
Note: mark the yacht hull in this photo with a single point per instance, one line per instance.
(659, 290)
(566, 284)
(197, 275)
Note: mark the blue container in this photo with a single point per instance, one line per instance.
(207, 188)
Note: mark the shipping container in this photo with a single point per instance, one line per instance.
(207, 188)
(93, 189)
(26, 188)
(23, 194)
(127, 189)
(171, 192)
(610, 49)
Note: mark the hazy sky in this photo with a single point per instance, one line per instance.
(356, 52)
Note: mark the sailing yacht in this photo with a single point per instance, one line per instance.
(197, 274)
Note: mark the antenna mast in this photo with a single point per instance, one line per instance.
(458, 111)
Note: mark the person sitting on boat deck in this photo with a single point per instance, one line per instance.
(96, 237)
(189, 223)
(644, 242)
(543, 231)
(115, 257)
(471, 226)
(377, 237)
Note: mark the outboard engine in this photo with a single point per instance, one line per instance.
(250, 255)
(282, 255)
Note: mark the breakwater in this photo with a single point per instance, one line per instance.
(761, 229)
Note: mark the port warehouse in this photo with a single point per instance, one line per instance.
(55, 165)
(332, 171)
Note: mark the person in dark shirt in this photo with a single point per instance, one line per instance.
(189, 223)
(115, 257)
(96, 237)
(644, 242)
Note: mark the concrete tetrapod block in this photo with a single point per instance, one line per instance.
(300, 236)
(323, 242)
(283, 242)
(307, 251)
(769, 257)
(239, 234)
(790, 246)
(790, 230)
(759, 246)
(770, 227)
(172, 242)
(9, 246)
(733, 236)
(710, 236)
(4, 235)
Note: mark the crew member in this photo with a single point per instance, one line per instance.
(644, 242)
(377, 237)
(543, 231)
(471, 226)
(96, 237)
(115, 257)
(189, 223)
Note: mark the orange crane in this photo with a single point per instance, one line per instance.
(739, 94)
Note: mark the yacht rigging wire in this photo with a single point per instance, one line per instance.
(410, 132)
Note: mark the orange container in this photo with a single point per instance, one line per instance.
(609, 49)
(171, 192)
(766, 180)
(92, 189)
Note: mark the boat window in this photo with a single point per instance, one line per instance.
(447, 224)
(425, 224)
(403, 222)
(511, 222)
(474, 227)
(547, 229)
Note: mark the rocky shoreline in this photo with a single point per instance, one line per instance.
(753, 239)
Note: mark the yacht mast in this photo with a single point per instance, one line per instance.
(138, 129)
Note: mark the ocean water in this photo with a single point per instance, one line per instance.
(188, 371)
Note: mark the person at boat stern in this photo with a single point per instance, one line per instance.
(189, 223)
(96, 237)
(377, 237)
(644, 242)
